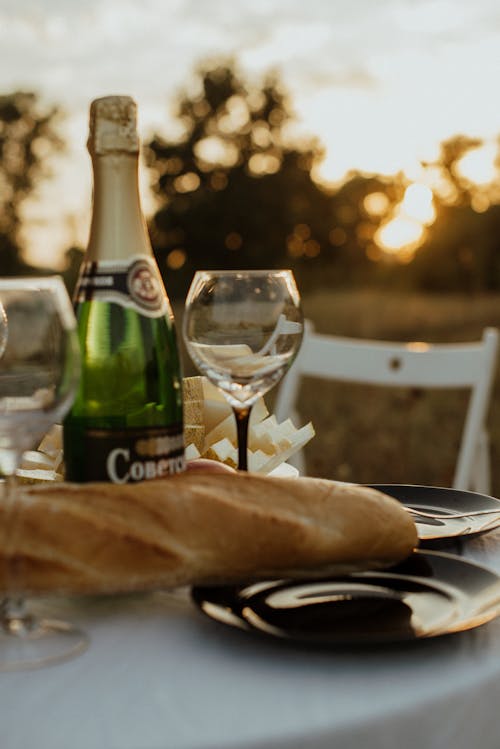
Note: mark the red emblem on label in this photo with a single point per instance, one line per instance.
(144, 286)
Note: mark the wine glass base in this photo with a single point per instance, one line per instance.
(43, 642)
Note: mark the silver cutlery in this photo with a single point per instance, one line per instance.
(451, 515)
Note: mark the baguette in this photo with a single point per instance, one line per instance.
(195, 528)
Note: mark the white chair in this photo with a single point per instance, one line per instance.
(450, 365)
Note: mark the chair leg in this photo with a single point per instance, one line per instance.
(481, 471)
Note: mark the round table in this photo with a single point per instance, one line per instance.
(160, 675)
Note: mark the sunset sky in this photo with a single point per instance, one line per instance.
(380, 82)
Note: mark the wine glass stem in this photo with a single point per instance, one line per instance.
(15, 620)
(242, 420)
(13, 617)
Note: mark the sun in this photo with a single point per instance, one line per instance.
(405, 230)
(479, 165)
(400, 234)
(418, 204)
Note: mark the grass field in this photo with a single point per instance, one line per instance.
(369, 434)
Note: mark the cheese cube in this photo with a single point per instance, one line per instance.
(299, 439)
(223, 451)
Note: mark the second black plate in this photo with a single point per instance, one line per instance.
(445, 501)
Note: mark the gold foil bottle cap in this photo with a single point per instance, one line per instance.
(113, 125)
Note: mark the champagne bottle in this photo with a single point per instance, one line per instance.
(126, 421)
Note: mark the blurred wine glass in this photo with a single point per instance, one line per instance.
(39, 371)
(243, 330)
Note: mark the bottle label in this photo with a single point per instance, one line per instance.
(133, 455)
(136, 284)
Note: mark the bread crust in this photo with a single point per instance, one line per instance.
(195, 528)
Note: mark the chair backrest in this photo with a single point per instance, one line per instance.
(416, 364)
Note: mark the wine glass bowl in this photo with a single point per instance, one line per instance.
(243, 330)
(39, 368)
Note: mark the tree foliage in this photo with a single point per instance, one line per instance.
(237, 190)
(233, 191)
(28, 137)
(462, 249)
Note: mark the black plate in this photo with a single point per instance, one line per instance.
(441, 500)
(429, 594)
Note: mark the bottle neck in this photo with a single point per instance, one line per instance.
(118, 229)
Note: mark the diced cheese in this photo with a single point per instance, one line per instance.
(256, 459)
(224, 451)
(193, 412)
(262, 427)
(259, 411)
(225, 428)
(52, 443)
(191, 452)
(214, 412)
(35, 475)
(299, 439)
(199, 388)
(272, 437)
(194, 435)
(205, 404)
(34, 459)
(192, 388)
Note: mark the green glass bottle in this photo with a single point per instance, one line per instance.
(126, 421)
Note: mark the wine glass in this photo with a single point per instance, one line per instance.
(243, 330)
(39, 370)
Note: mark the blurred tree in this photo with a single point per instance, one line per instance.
(456, 189)
(28, 136)
(234, 191)
(73, 259)
(462, 251)
(362, 203)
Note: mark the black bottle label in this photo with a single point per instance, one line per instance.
(135, 283)
(129, 455)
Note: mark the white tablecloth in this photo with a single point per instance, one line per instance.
(159, 675)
